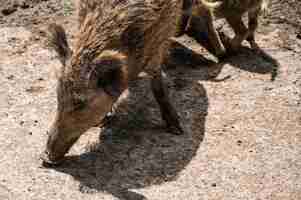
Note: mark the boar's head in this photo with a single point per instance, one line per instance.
(88, 85)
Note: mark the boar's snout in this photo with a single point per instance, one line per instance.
(68, 126)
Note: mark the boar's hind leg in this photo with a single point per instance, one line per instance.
(253, 23)
(241, 31)
(168, 112)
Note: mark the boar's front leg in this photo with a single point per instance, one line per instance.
(185, 18)
(253, 24)
(168, 112)
(214, 38)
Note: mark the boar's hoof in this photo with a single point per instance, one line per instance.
(47, 161)
(223, 57)
(175, 129)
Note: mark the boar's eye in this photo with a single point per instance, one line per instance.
(109, 78)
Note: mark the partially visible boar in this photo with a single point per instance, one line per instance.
(117, 40)
(232, 11)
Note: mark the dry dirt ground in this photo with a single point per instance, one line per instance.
(242, 119)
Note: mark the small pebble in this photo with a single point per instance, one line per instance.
(10, 77)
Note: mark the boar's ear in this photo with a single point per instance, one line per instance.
(109, 73)
(57, 39)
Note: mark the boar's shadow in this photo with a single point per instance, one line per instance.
(134, 150)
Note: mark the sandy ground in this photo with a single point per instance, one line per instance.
(242, 120)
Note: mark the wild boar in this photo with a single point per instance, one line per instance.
(232, 11)
(117, 39)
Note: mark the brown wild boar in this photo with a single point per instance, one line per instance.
(117, 39)
(232, 11)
